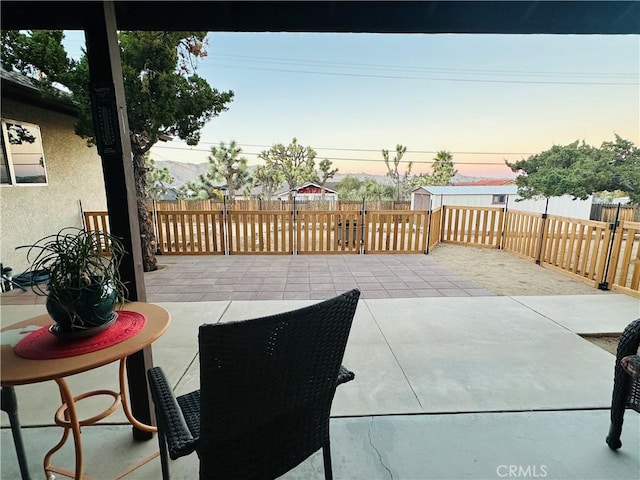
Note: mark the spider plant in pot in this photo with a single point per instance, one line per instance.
(84, 283)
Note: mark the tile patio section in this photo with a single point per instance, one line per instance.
(203, 278)
(303, 277)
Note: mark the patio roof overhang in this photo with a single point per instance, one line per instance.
(506, 17)
(14, 86)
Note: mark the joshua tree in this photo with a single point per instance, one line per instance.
(226, 164)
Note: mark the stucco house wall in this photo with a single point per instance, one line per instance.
(74, 172)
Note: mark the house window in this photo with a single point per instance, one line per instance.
(5, 176)
(499, 199)
(22, 158)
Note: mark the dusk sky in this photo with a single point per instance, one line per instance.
(485, 98)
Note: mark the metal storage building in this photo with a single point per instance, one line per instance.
(431, 197)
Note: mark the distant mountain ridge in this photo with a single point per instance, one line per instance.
(186, 172)
(183, 172)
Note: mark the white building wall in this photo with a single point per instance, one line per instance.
(306, 197)
(563, 206)
(438, 200)
(463, 200)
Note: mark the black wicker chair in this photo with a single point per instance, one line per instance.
(266, 388)
(626, 390)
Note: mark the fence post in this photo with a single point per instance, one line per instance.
(604, 284)
(542, 227)
(442, 220)
(225, 227)
(294, 240)
(429, 213)
(156, 226)
(84, 221)
(362, 216)
(503, 227)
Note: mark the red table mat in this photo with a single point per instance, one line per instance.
(44, 345)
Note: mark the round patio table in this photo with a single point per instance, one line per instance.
(17, 370)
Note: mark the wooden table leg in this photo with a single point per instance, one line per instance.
(67, 418)
(74, 426)
(150, 429)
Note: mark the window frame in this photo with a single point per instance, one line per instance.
(499, 199)
(8, 154)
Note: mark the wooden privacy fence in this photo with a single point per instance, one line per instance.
(434, 231)
(607, 255)
(624, 267)
(478, 226)
(259, 232)
(604, 254)
(607, 212)
(392, 231)
(271, 205)
(331, 232)
(579, 247)
(188, 232)
(522, 233)
(98, 222)
(328, 232)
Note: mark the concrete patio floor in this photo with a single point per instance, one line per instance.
(473, 387)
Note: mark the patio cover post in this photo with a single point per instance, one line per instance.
(112, 138)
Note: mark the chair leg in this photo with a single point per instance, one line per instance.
(10, 405)
(326, 455)
(613, 439)
(621, 386)
(164, 455)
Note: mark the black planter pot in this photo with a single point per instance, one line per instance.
(91, 309)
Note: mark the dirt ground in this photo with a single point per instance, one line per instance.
(609, 343)
(506, 274)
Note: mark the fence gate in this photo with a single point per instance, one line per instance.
(396, 231)
(260, 232)
(624, 268)
(190, 232)
(477, 226)
(522, 233)
(576, 246)
(328, 232)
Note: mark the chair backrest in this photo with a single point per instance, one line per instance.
(266, 388)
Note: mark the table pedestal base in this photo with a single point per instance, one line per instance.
(67, 417)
